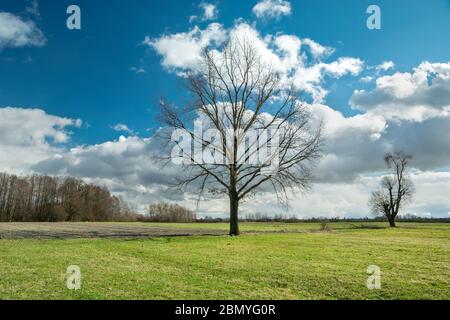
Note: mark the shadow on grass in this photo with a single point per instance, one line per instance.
(368, 226)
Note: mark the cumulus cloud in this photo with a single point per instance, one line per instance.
(16, 32)
(355, 145)
(183, 50)
(427, 141)
(432, 189)
(120, 127)
(33, 140)
(269, 9)
(385, 66)
(286, 54)
(210, 12)
(416, 96)
(351, 167)
(30, 135)
(317, 50)
(367, 79)
(128, 166)
(311, 78)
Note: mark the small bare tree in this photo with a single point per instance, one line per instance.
(396, 190)
(256, 133)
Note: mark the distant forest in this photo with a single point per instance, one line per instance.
(39, 198)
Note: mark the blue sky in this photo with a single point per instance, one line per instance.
(382, 90)
(85, 74)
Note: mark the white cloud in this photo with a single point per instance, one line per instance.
(183, 50)
(126, 165)
(412, 96)
(336, 123)
(355, 145)
(432, 190)
(210, 12)
(138, 70)
(310, 79)
(286, 54)
(30, 135)
(327, 200)
(267, 9)
(120, 127)
(367, 79)
(16, 32)
(343, 66)
(317, 50)
(385, 66)
(35, 141)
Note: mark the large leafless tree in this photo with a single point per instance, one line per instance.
(262, 135)
(396, 189)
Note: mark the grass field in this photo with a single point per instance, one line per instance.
(269, 261)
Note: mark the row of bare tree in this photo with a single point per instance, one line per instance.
(45, 198)
(167, 212)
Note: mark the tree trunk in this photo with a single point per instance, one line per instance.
(234, 207)
(391, 221)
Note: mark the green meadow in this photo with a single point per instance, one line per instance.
(268, 261)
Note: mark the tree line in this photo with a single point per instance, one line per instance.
(168, 212)
(42, 198)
